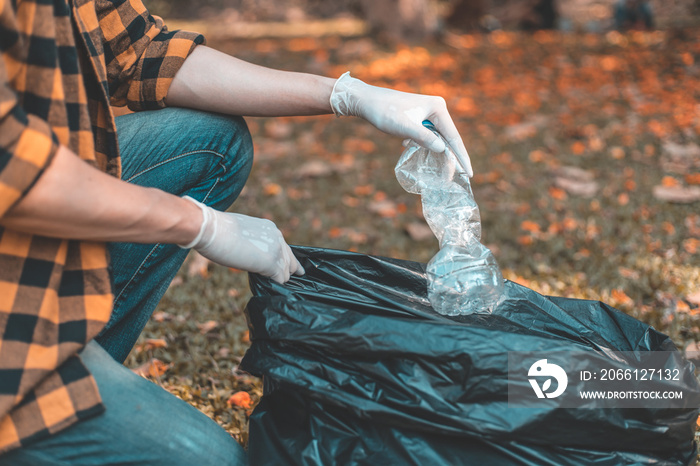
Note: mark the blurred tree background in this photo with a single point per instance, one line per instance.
(418, 19)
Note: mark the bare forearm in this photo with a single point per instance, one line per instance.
(74, 200)
(213, 81)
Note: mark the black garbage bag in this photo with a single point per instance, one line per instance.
(358, 369)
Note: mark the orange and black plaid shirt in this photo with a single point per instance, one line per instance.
(63, 61)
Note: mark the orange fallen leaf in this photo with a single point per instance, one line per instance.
(245, 337)
(525, 240)
(198, 265)
(153, 343)
(620, 298)
(668, 228)
(350, 201)
(617, 152)
(537, 155)
(488, 177)
(385, 208)
(272, 189)
(691, 245)
(669, 181)
(557, 193)
(578, 148)
(530, 226)
(569, 224)
(241, 400)
(153, 368)
(207, 326)
(363, 190)
(161, 316)
(694, 298)
(682, 306)
(692, 178)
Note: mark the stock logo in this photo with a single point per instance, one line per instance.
(542, 368)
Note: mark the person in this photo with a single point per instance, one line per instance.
(633, 14)
(97, 214)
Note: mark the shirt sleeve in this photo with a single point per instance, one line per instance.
(141, 55)
(27, 146)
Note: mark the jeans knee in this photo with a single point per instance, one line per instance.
(228, 139)
(237, 146)
(238, 161)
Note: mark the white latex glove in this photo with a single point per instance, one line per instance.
(401, 114)
(246, 243)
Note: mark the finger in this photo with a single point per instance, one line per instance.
(295, 266)
(462, 155)
(445, 126)
(426, 138)
(300, 270)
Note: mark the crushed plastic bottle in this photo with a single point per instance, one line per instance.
(463, 277)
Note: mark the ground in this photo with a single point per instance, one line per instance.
(587, 163)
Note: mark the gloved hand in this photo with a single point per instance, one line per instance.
(401, 114)
(246, 243)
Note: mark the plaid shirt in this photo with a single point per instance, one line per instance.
(63, 61)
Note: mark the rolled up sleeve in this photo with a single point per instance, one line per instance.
(27, 146)
(141, 55)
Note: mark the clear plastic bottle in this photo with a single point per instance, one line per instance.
(463, 277)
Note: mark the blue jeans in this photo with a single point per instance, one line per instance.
(184, 152)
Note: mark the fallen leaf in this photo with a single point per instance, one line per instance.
(241, 400)
(207, 326)
(162, 316)
(530, 226)
(154, 368)
(198, 265)
(681, 151)
(620, 298)
(363, 190)
(520, 131)
(153, 343)
(574, 173)
(677, 194)
(628, 273)
(578, 148)
(669, 182)
(617, 152)
(692, 178)
(418, 231)
(385, 208)
(694, 298)
(314, 169)
(577, 187)
(691, 245)
(272, 189)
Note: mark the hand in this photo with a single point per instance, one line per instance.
(246, 243)
(401, 114)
